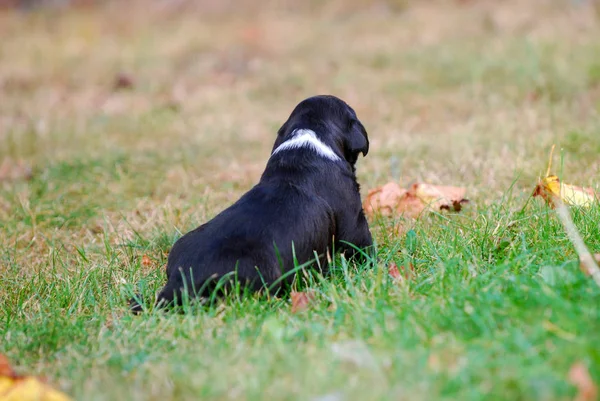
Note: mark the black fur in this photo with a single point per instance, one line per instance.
(302, 198)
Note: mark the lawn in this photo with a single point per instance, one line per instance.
(123, 127)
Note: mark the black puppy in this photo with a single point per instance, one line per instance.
(306, 205)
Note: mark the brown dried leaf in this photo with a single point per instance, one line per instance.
(394, 271)
(440, 197)
(5, 368)
(410, 205)
(580, 377)
(391, 198)
(402, 272)
(301, 301)
(123, 81)
(384, 199)
(146, 261)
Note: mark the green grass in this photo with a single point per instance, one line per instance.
(497, 308)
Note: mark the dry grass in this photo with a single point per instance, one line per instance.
(469, 94)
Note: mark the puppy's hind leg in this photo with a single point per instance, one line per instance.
(168, 297)
(184, 288)
(164, 299)
(356, 242)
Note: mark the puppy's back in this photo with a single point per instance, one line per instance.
(258, 237)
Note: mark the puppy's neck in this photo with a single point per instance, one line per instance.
(306, 138)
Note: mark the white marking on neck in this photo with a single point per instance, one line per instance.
(307, 138)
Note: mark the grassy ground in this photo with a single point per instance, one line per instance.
(468, 93)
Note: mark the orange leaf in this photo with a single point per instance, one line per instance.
(5, 368)
(394, 272)
(440, 197)
(14, 387)
(580, 377)
(384, 199)
(146, 261)
(410, 204)
(391, 198)
(301, 301)
(400, 273)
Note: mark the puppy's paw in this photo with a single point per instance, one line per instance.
(135, 305)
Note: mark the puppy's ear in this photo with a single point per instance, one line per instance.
(356, 141)
(281, 134)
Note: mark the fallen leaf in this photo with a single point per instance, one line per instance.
(123, 81)
(391, 198)
(400, 273)
(14, 387)
(146, 261)
(5, 369)
(410, 204)
(11, 170)
(441, 197)
(551, 189)
(301, 301)
(580, 377)
(394, 272)
(384, 199)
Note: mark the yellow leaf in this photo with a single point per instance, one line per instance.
(25, 388)
(550, 188)
(28, 389)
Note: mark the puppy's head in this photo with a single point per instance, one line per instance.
(334, 122)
